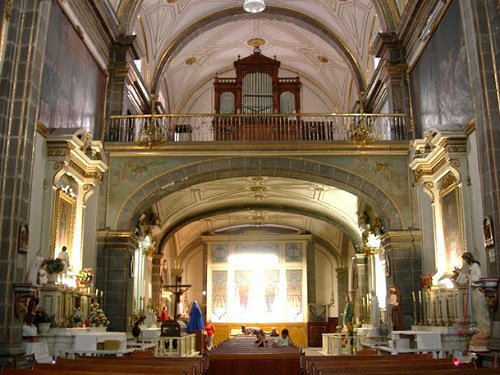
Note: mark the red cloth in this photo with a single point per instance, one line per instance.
(209, 329)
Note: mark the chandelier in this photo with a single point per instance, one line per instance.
(254, 6)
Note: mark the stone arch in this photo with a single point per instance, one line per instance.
(230, 167)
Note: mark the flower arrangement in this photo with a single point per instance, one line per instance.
(138, 318)
(77, 316)
(426, 280)
(85, 276)
(54, 265)
(97, 316)
(42, 316)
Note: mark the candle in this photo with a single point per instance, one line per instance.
(413, 295)
(96, 292)
(420, 296)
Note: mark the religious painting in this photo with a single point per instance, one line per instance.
(23, 238)
(440, 79)
(219, 295)
(488, 232)
(65, 211)
(73, 85)
(271, 282)
(220, 253)
(243, 280)
(294, 295)
(293, 252)
(452, 225)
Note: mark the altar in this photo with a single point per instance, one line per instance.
(414, 342)
(62, 342)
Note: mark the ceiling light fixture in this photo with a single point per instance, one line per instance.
(254, 6)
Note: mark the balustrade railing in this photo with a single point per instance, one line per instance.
(153, 130)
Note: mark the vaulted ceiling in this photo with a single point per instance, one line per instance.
(185, 43)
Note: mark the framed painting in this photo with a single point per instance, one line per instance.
(452, 225)
(23, 238)
(65, 210)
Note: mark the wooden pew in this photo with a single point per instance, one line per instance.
(307, 361)
(190, 365)
(240, 356)
(452, 371)
(15, 371)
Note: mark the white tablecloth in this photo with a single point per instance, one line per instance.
(87, 341)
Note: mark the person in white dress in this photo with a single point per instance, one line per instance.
(466, 276)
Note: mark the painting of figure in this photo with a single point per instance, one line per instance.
(440, 79)
(64, 221)
(452, 228)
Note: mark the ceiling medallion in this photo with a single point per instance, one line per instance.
(256, 42)
(323, 59)
(254, 6)
(191, 60)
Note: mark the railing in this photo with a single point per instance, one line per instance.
(153, 130)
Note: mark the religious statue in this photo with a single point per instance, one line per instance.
(466, 276)
(394, 308)
(36, 274)
(63, 255)
(347, 316)
(375, 310)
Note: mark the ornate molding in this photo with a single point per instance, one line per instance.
(447, 181)
(429, 190)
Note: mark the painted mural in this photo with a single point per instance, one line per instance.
(73, 85)
(440, 80)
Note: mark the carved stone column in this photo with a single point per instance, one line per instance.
(360, 288)
(342, 288)
(403, 254)
(390, 50)
(123, 53)
(481, 42)
(155, 280)
(115, 260)
(24, 30)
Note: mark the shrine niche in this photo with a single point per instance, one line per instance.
(256, 93)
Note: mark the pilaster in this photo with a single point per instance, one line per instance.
(24, 26)
(402, 251)
(114, 276)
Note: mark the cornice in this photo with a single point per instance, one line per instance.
(259, 149)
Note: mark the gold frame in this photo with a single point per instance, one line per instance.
(65, 210)
(452, 191)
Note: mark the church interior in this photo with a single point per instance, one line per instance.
(328, 167)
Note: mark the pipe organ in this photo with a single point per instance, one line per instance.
(256, 90)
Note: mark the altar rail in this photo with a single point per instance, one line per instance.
(326, 127)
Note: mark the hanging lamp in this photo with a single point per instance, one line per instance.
(254, 6)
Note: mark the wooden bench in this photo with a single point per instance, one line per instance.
(14, 371)
(194, 366)
(452, 371)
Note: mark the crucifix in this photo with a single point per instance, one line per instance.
(178, 290)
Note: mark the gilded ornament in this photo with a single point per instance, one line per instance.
(256, 42)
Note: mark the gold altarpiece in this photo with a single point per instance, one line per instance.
(440, 165)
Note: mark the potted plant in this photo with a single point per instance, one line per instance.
(85, 276)
(97, 316)
(43, 320)
(53, 268)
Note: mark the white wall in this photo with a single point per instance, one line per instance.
(326, 280)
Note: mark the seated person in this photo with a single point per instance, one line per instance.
(261, 339)
(274, 333)
(283, 340)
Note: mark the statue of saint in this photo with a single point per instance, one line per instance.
(394, 308)
(466, 276)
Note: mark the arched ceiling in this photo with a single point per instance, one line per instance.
(185, 42)
(257, 202)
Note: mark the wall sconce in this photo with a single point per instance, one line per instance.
(254, 6)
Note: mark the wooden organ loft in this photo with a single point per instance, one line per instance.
(259, 98)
